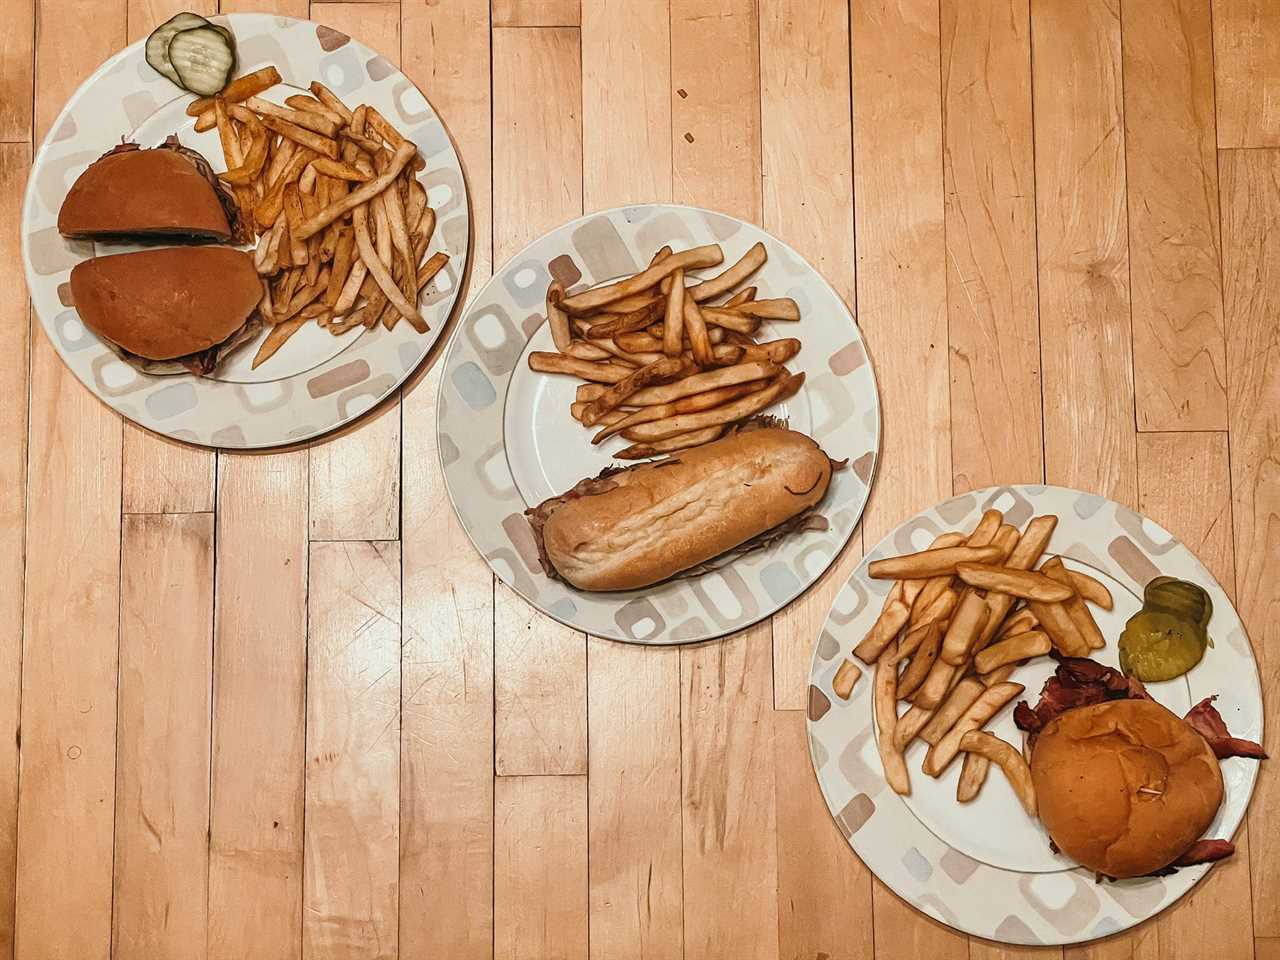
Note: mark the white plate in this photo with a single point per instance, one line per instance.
(316, 382)
(507, 440)
(985, 867)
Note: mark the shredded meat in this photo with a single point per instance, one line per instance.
(1206, 721)
(1077, 682)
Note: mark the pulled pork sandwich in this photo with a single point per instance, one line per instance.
(172, 309)
(1126, 787)
(169, 192)
(632, 527)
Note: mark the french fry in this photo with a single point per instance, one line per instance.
(1007, 757)
(1075, 606)
(1021, 646)
(1090, 589)
(239, 89)
(959, 700)
(777, 351)
(909, 725)
(339, 170)
(280, 159)
(893, 615)
(377, 123)
(317, 143)
(709, 289)
(728, 320)
(696, 328)
(929, 563)
(985, 531)
(250, 164)
(973, 774)
(940, 680)
(351, 289)
(342, 261)
(663, 369)
(591, 300)
(1006, 539)
(847, 675)
(708, 400)
(556, 319)
(942, 607)
(1024, 555)
(911, 642)
(298, 253)
(330, 100)
(1020, 622)
(400, 242)
(378, 270)
(616, 323)
(780, 389)
(673, 331)
(300, 101)
(885, 695)
(999, 675)
(922, 661)
(583, 350)
(1015, 583)
(966, 625)
(298, 118)
(781, 309)
(741, 297)
(695, 438)
(276, 339)
(988, 704)
(1061, 630)
(360, 195)
(540, 362)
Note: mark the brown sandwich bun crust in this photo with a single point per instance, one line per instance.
(655, 520)
(169, 302)
(160, 192)
(1124, 787)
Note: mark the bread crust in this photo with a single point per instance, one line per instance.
(1124, 787)
(652, 521)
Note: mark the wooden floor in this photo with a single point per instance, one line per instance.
(275, 706)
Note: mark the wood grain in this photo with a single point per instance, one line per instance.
(536, 13)
(633, 797)
(626, 102)
(297, 9)
(824, 894)
(1246, 47)
(71, 597)
(351, 889)
(994, 330)
(1266, 948)
(162, 783)
(1172, 168)
(727, 758)
(1083, 250)
(898, 211)
(1184, 484)
(446, 774)
(17, 70)
(256, 831)
(355, 474)
(14, 317)
(540, 857)
(715, 109)
(1251, 266)
(807, 169)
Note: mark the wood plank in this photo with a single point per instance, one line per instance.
(285, 8)
(17, 70)
(1246, 47)
(536, 13)
(162, 785)
(715, 113)
(989, 168)
(824, 891)
(540, 666)
(1184, 484)
(446, 774)
(1266, 948)
(808, 201)
(70, 621)
(902, 297)
(1172, 168)
(351, 888)
(1251, 268)
(540, 857)
(1084, 259)
(626, 102)
(355, 474)
(14, 317)
(986, 950)
(633, 800)
(256, 830)
(727, 758)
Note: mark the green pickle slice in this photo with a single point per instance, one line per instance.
(1169, 635)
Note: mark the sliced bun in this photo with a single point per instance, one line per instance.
(1124, 787)
(648, 523)
(167, 303)
(165, 192)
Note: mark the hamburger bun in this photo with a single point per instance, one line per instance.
(642, 525)
(1124, 787)
(167, 303)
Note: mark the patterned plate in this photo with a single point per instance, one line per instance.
(507, 440)
(985, 867)
(316, 382)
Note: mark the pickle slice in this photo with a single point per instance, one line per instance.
(1157, 645)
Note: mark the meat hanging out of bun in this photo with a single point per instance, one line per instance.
(1126, 787)
(640, 525)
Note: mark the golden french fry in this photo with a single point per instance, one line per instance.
(999, 675)
(960, 699)
(911, 642)
(1007, 757)
(694, 438)
(241, 88)
(591, 300)
(885, 695)
(941, 678)
(922, 661)
(330, 100)
(656, 372)
(1024, 555)
(779, 351)
(893, 615)
(988, 704)
(275, 339)
(360, 195)
(781, 309)
(694, 404)
(298, 118)
(1061, 629)
(376, 122)
(1016, 583)
(1021, 646)
(846, 676)
(728, 320)
(985, 531)
(556, 318)
(751, 261)
(695, 326)
(1006, 539)
(540, 362)
(941, 608)
(379, 271)
(342, 261)
(780, 389)
(966, 625)
(673, 331)
(300, 101)
(973, 774)
(615, 323)
(929, 563)
(1020, 622)
(318, 143)
(1090, 589)
(1075, 606)
(909, 725)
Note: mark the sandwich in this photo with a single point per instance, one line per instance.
(172, 309)
(633, 527)
(169, 192)
(1124, 786)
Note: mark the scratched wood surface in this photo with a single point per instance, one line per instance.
(275, 705)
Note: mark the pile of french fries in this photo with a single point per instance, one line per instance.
(666, 367)
(959, 619)
(330, 195)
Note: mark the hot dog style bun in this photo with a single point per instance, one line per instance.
(639, 526)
